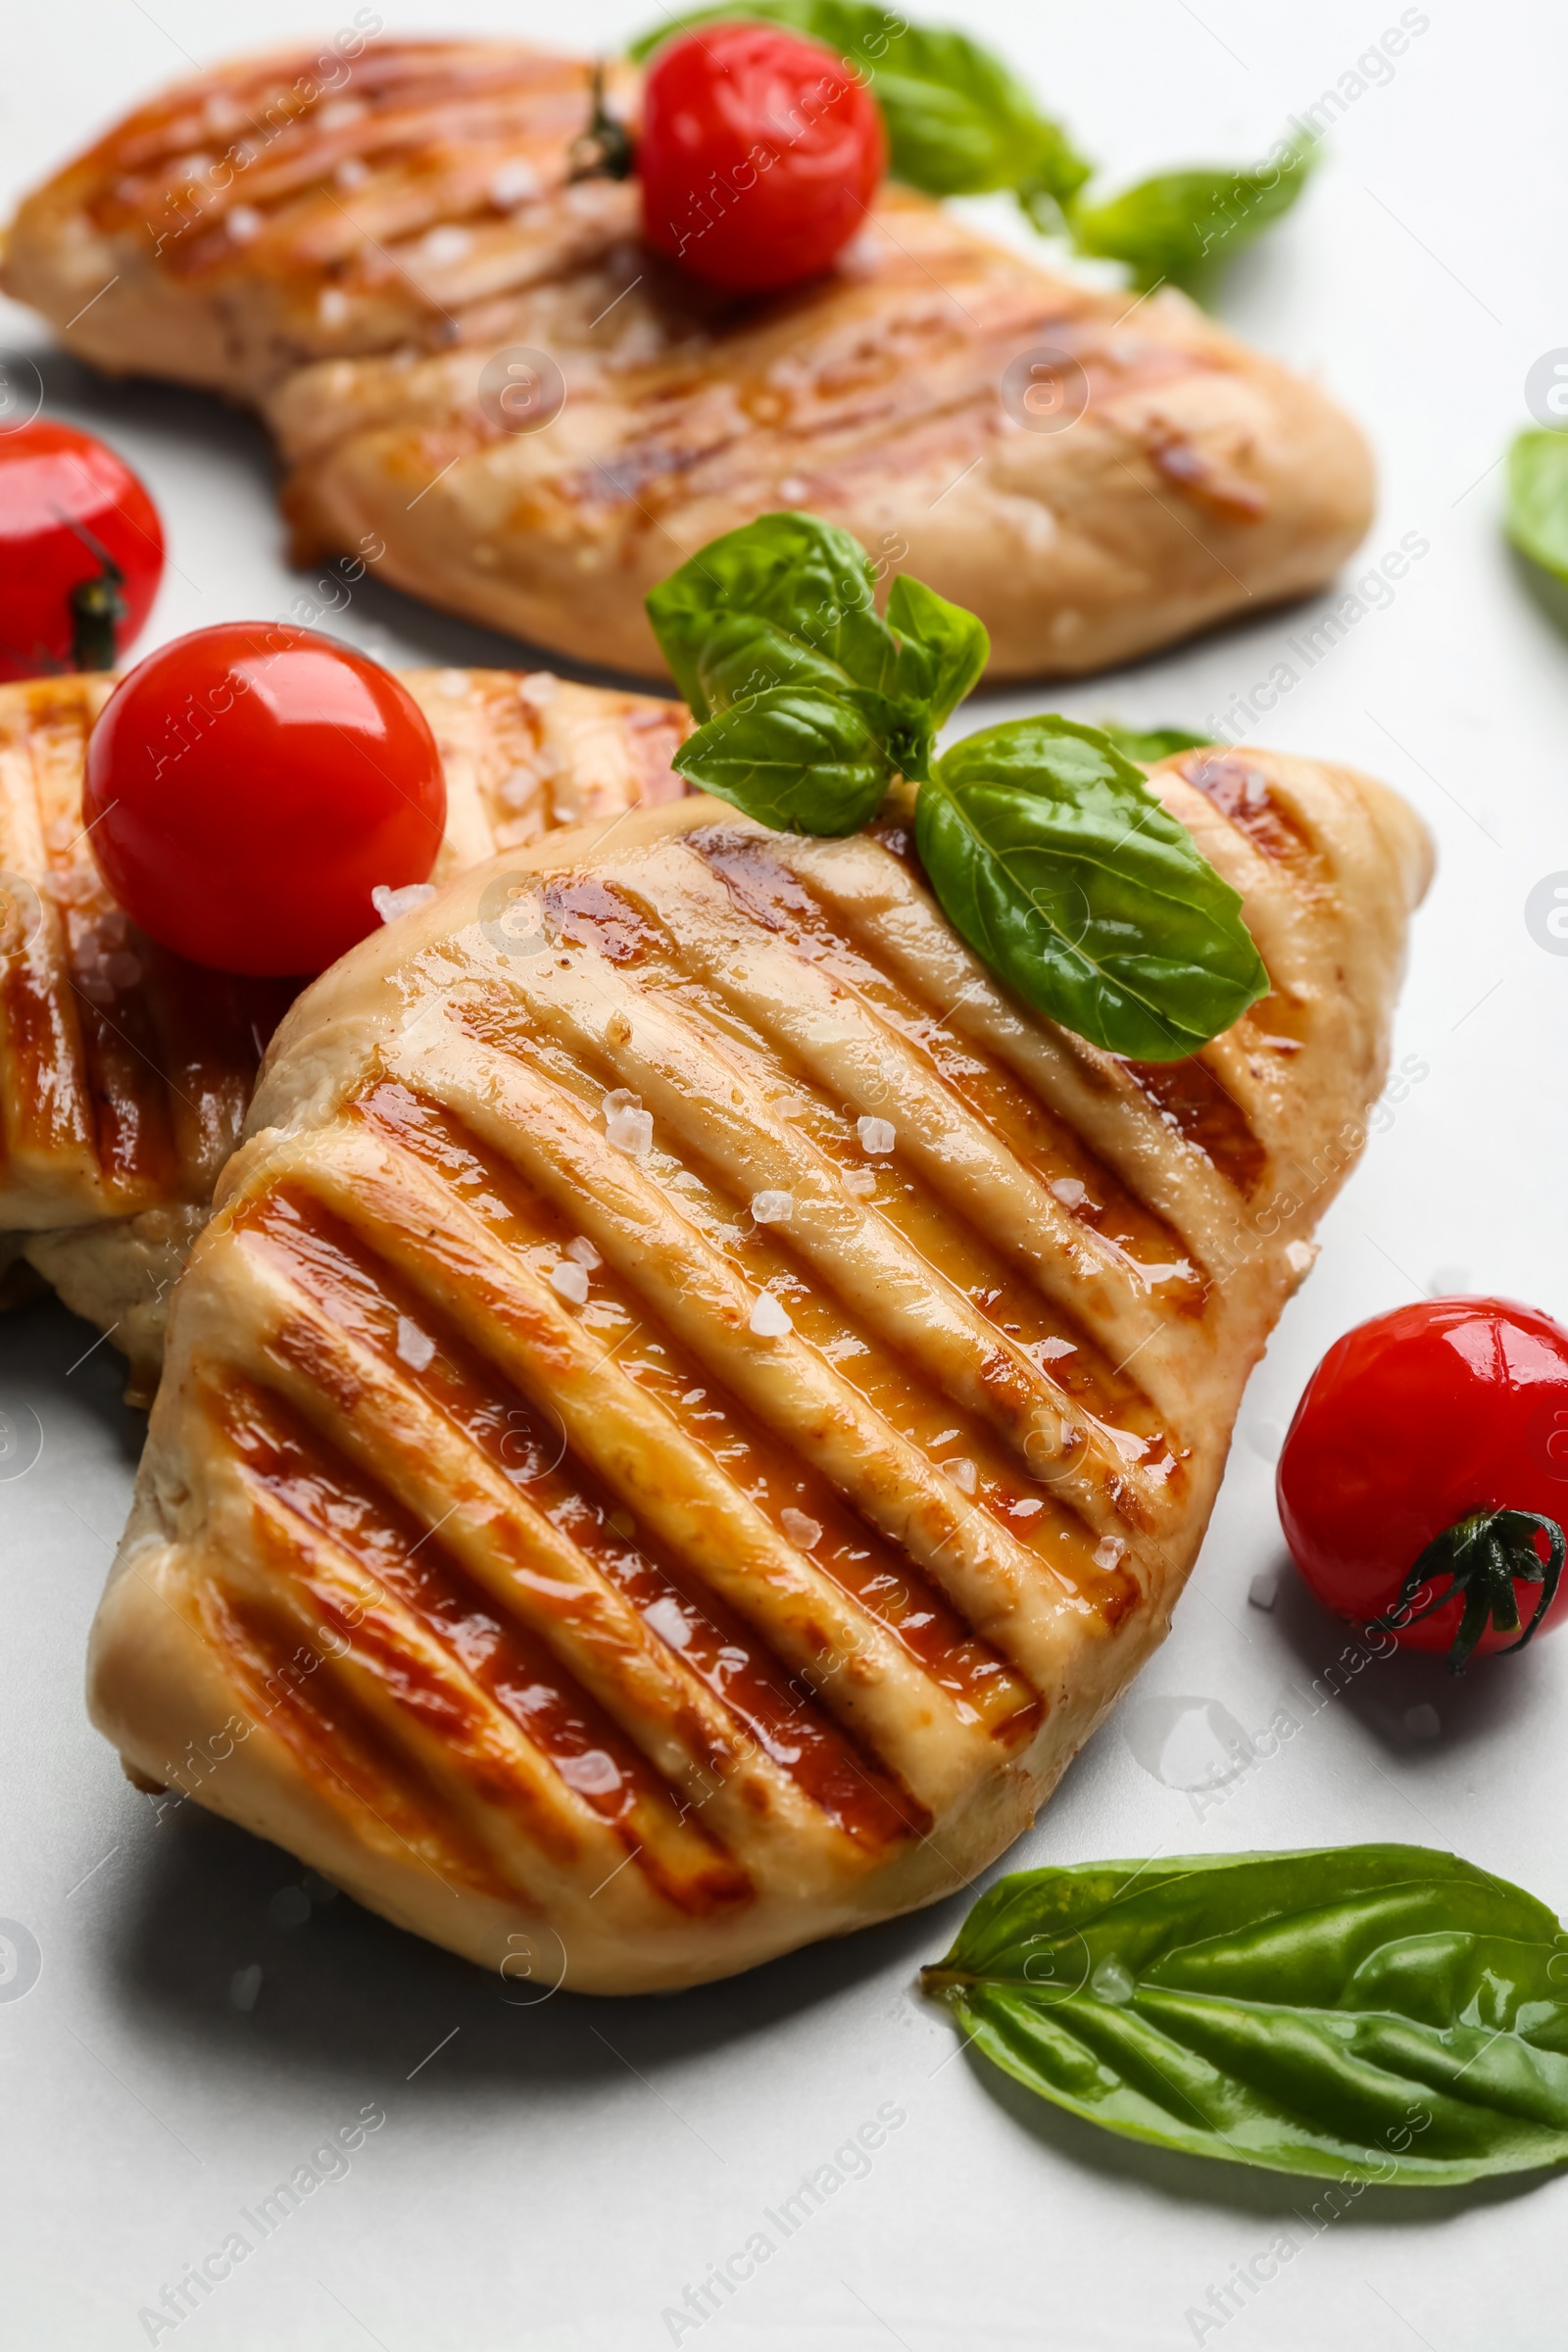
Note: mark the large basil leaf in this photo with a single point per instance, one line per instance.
(1370, 2012)
(1053, 857)
(1149, 744)
(959, 123)
(797, 759)
(1181, 226)
(1538, 499)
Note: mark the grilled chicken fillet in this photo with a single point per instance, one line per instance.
(693, 1404)
(364, 256)
(124, 1072)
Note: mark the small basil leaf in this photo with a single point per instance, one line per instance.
(959, 123)
(1369, 2012)
(1055, 860)
(1149, 744)
(798, 759)
(943, 650)
(1538, 499)
(1179, 228)
(811, 581)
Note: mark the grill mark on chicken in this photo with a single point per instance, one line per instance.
(842, 1273)
(838, 1054)
(876, 1576)
(1196, 1100)
(529, 1564)
(918, 373)
(950, 1244)
(953, 1245)
(475, 1678)
(128, 1091)
(1094, 1196)
(1240, 789)
(338, 1746)
(413, 104)
(367, 1298)
(824, 1611)
(1188, 1092)
(803, 1403)
(46, 1095)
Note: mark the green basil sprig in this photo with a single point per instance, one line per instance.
(1371, 2013)
(1180, 228)
(808, 702)
(1538, 499)
(1042, 840)
(959, 124)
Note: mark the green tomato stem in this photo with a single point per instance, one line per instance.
(1482, 1557)
(605, 150)
(97, 610)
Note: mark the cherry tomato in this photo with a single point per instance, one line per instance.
(758, 156)
(1424, 1483)
(247, 788)
(81, 552)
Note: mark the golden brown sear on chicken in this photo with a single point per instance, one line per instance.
(126, 1072)
(693, 1402)
(481, 380)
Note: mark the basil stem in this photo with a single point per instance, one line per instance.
(1366, 2013)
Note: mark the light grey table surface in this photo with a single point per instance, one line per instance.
(551, 2178)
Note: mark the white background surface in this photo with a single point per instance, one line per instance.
(553, 2176)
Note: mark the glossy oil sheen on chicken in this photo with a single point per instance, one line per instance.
(693, 1404)
(124, 1072)
(365, 254)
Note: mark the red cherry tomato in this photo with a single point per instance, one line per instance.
(248, 787)
(758, 156)
(81, 552)
(1442, 1426)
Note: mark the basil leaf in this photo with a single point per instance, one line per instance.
(1149, 744)
(944, 650)
(811, 583)
(1370, 2012)
(742, 656)
(1180, 227)
(1053, 857)
(1538, 499)
(799, 758)
(959, 123)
